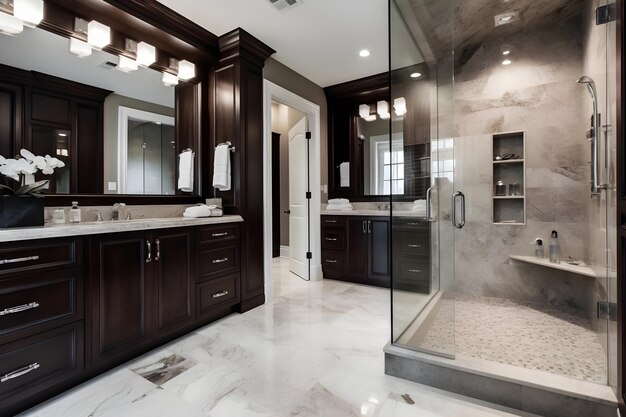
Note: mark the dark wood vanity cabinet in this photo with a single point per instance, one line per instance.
(411, 255)
(356, 249)
(41, 320)
(142, 289)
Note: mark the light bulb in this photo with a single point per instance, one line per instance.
(98, 35)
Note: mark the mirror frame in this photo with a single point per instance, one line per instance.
(173, 36)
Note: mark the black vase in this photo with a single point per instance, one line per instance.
(21, 211)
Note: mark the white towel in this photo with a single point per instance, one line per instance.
(344, 174)
(419, 206)
(221, 168)
(334, 201)
(339, 207)
(202, 210)
(185, 171)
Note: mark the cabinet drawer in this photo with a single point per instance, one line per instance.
(218, 234)
(40, 300)
(412, 274)
(39, 255)
(334, 221)
(222, 292)
(411, 224)
(31, 365)
(415, 242)
(332, 260)
(214, 262)
(333, 239)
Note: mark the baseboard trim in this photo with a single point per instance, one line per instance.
(284, 251)
(254, 302)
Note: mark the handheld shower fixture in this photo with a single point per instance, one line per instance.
(595, 131)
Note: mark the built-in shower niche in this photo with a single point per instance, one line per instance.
(509, 194)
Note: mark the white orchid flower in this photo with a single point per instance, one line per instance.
(25, 167)
(2, 160)
(8, 169)
(26, 154)
(54, 162)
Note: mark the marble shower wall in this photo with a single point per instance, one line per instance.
(537, 94)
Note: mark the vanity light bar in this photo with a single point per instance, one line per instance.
(98, 34)
(382, 108)
(10, 25)
(29, 11)
(146, 54)
(399, 106)
(169, 79)
(186, 70)
(126, 64)
(79, 48)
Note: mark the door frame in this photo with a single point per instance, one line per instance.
(277, 93)
(621, 209)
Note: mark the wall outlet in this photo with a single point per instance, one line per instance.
(112, 186)
(325, 188)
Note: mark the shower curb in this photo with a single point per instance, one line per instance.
(587, 399)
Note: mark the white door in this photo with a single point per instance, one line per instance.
(298, 205)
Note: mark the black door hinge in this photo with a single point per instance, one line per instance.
(308, 135)
(606, 14)
(309, 255)
(308, 195)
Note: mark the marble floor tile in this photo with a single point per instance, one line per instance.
(315, 350)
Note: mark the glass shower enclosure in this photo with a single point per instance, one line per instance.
(512, 111)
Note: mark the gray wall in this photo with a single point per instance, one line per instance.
(287, 78)
(111, 105)
(538, 94)
(284, 118)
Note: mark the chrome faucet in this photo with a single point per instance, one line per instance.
(117, 208)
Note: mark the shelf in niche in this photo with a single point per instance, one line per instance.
(509, 210)
(510, 161)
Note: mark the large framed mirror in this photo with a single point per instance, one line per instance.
(117, 123)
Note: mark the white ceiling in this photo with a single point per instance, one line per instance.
(320, 39)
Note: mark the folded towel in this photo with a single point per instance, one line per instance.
(339, 207)
(201, 210)
(221, 168)
(185, 171)
(333, 201)
(344, 174)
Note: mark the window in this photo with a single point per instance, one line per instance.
(389, 163)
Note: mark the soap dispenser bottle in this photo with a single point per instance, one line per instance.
(555, 248)
(539, 252)
(74, 213)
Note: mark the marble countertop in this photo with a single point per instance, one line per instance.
(382, 213)
(95, 228)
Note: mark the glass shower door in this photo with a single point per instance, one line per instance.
(422, 283)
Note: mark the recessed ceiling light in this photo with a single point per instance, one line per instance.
(507, 62)
(506, 52)
(364, 53)
(416, 75)
(505, 18)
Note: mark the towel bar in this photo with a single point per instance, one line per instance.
(230, 146)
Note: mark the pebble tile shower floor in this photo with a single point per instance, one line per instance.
(533, 336)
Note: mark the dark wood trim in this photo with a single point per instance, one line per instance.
(110, 199)
(360, 89)
(240, 44)
(249, 304)
(621, 209)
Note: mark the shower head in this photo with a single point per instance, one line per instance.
(591, 85)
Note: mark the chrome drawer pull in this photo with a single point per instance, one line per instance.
(330, 221)
(414, 246)
(19, 372)
(412, 224)
(331, 261)
(332, 239)
(415, 270)
(219, 234)
(16, 260)
(220, 294)
(219, 261)
(18, 309)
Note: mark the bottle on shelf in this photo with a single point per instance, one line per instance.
(74, 213)
(555, 248)
(539, 251)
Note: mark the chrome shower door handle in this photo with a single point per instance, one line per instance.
(364, 223)
(456, 197)
(429, 192)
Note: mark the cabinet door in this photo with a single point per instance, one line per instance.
(173, 270)
(120, 304)
(379, 265)
(357, 249)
